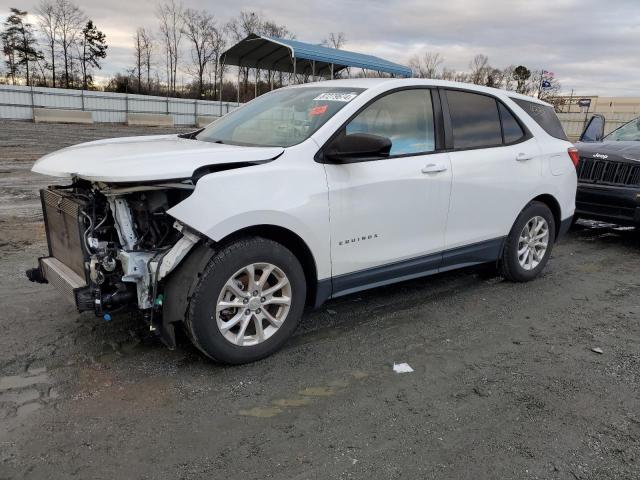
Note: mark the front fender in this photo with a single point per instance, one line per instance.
(291, 195)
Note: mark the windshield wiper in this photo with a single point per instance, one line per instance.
(190, 135)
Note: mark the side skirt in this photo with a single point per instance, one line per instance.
(460, 257)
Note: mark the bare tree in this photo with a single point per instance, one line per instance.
(239, 28)
(200, 30)
(426, 65)
(220, 43)
(508, 80)
(70, 24)
(170, 16)
(244, 25)
(494, 78)
(48, 22)
(448, 74)
(147, 53)
(335, 40)
(272, 29)
(535, 85)
(479, 69)
(142, 47)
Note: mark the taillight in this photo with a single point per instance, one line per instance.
(574, 156)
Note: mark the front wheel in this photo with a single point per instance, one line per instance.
(529, 244)
(248, 301)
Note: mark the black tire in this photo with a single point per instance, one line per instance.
(201, 324)
(509, 265)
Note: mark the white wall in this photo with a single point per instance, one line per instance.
(16, 103)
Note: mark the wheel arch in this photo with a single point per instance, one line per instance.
(553, 204)
(293, 242)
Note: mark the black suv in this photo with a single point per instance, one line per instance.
(609, 173)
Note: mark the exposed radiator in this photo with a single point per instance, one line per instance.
(62, 277)
(64, 228)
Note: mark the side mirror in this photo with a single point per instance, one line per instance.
(594, 131)
(357, 147)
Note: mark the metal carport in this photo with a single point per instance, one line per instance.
(293, 56)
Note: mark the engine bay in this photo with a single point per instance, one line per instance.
(117, 241)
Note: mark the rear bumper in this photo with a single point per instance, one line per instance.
(619, 205)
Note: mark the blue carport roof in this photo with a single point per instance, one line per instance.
(259, 51)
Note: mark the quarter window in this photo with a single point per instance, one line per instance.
(511, 129)
(474, 120)
(544, 115)
(405, 117)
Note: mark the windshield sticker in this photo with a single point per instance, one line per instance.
(336, 97)
(319, 110)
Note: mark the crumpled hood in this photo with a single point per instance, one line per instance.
(620, 151)
(149, 158)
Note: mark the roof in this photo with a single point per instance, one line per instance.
(260, 51)
(368, 83)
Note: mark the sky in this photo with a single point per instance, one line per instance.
(593, 46)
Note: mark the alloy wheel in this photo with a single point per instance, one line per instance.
(253, 304)
(533, 243)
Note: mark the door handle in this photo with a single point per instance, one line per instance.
(523, 157)
(434, 168)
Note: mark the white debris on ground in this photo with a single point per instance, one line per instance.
(597, 350)
(402, 368)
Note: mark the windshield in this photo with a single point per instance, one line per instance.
(281, 118)
(627, 132)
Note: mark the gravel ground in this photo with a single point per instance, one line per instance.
(505, 384)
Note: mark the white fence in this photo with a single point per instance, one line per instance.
(17, 103)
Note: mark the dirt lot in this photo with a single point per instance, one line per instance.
(506, 384)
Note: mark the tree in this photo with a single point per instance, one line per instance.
(19, 44)
(48, 22)
(218, 68)
(494, 77)
(10, 41)
(200, 29)
(507, 77)
(272, 29)
(480, 69)
(426, 65)
(335, 40)
(93, 49)
(239, 28)
(534, 85)
(147, 44)
(70, 22)
(521, 74)
(170, 16)
(142, 51)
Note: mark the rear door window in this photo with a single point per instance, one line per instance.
(474, 120)
(511, 129)
(544, 115)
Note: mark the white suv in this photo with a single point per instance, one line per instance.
(306, 193)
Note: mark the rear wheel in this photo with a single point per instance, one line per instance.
(248, 301)
(529, 244)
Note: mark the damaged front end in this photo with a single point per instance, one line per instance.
(110, 246)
